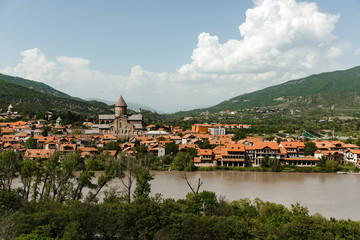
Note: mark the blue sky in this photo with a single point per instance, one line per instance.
(175, 55)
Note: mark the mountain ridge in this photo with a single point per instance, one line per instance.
(24, 98)
(338, 89)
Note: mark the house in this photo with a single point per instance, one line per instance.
(156, 134)
(67, 148)
(293, 149)
(205, 158)
(352, 156)
(260, 150)
(44, 154)
(157, 150)
(233, 155)
(9, 139)
(333, 155)
(307, 161)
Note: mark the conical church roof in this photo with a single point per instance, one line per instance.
(121, 102)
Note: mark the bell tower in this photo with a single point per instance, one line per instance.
(120, 107)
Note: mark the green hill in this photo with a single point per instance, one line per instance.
(37, 86)
(333, 92)
(27, 100)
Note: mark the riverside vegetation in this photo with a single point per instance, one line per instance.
(50, 204)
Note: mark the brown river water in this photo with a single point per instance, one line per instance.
(330, 194)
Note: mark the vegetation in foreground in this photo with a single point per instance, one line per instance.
(198, 216)
(51, 204)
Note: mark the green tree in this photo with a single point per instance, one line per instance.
(27, 172)
(265, 162)
(161, 138)
(181, 161)
(30, 143)
(112, 146)
(171, 148)
(204, 202)
(9, 168)
(310, 148)
(206, 144)
(143, 186)
(239, 134)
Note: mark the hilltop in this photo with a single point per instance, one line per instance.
(335, 93)
(32, 97)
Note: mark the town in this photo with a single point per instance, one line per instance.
(210, 145)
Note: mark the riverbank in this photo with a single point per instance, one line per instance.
(283, 168)
(330, 194)
(198, 216)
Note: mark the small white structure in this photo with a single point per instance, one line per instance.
(155, 134)
(352, 156)
(217, 131)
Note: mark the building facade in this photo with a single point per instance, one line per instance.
(121, 124)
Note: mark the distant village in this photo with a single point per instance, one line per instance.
(128, 130)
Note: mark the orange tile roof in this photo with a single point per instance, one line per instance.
(205, 152)
(356, 151)
(219, 150)
(39, 153)
(351, 146)
(186, 146)
(307, 158)
(293, 144)
(262, 145)
(109, 137)
(87, 149)
(67, 147)
(282, 151)
(235, 147)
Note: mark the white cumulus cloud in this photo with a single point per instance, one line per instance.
(279, 40)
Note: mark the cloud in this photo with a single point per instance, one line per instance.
(279, 40)
(357, 52)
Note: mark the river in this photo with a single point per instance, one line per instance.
(330, 194)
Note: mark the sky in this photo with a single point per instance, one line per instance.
(175, 55)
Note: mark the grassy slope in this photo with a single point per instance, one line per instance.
(29, 101)
(316, 92)
(37, 86)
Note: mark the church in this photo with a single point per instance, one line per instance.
(120, 124)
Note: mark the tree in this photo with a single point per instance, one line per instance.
(194, 188)
(143, 187)
(30, 143)
(239, 134)
(9, 168)
(265, 162)
(141, 149)
(181, 161)
(206, 145)
(161, 138)
(310, 148)
(204, 203)
(27, 171)
(128, 167)
(171, 148)
(112, 146)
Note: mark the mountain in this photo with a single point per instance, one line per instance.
(326, 93)
(37, 86)
(133, 106)
(32, 97)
